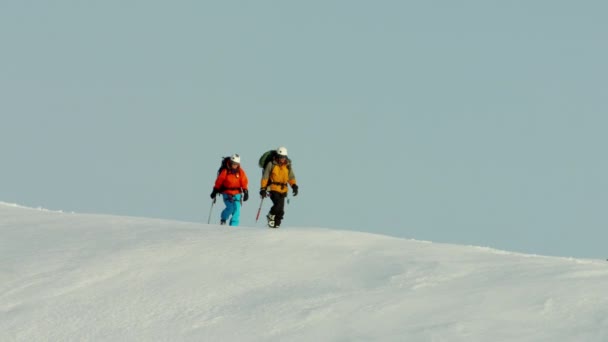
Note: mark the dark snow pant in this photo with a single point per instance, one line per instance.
(278, 206)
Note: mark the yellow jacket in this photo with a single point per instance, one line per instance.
(277, 176)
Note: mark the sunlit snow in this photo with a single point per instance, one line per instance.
(85, 277)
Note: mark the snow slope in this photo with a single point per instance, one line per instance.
(82, 277)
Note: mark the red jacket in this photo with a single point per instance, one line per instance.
(231, 182)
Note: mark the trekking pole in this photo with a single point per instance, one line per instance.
(210, 210)
(259, 209)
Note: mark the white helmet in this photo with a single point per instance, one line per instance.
(235, 158)
(282, 151)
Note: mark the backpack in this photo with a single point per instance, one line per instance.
(225, 165)
(267, 157)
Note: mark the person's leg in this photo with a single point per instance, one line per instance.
(271, 215)
(229, 202)
(236, 212)
(278, 207)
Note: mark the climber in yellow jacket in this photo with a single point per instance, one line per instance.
(276, 177)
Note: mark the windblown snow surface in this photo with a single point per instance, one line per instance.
(83, 277)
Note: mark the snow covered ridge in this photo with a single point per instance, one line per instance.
(83, 277)
(24, 207)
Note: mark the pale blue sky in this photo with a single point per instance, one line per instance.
(470, 122)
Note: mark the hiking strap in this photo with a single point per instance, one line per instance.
(283, 185)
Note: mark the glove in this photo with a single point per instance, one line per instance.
(214, 193)
(294, 188)
(263, 193)
(245, 195)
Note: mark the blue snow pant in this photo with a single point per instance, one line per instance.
(233, 208)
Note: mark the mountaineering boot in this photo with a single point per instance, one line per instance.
(222, 222)
(270, 220)
(277, 220)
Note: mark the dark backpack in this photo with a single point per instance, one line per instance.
(225, 165)
(267, 157)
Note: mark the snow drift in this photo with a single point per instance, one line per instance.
(83, 277)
